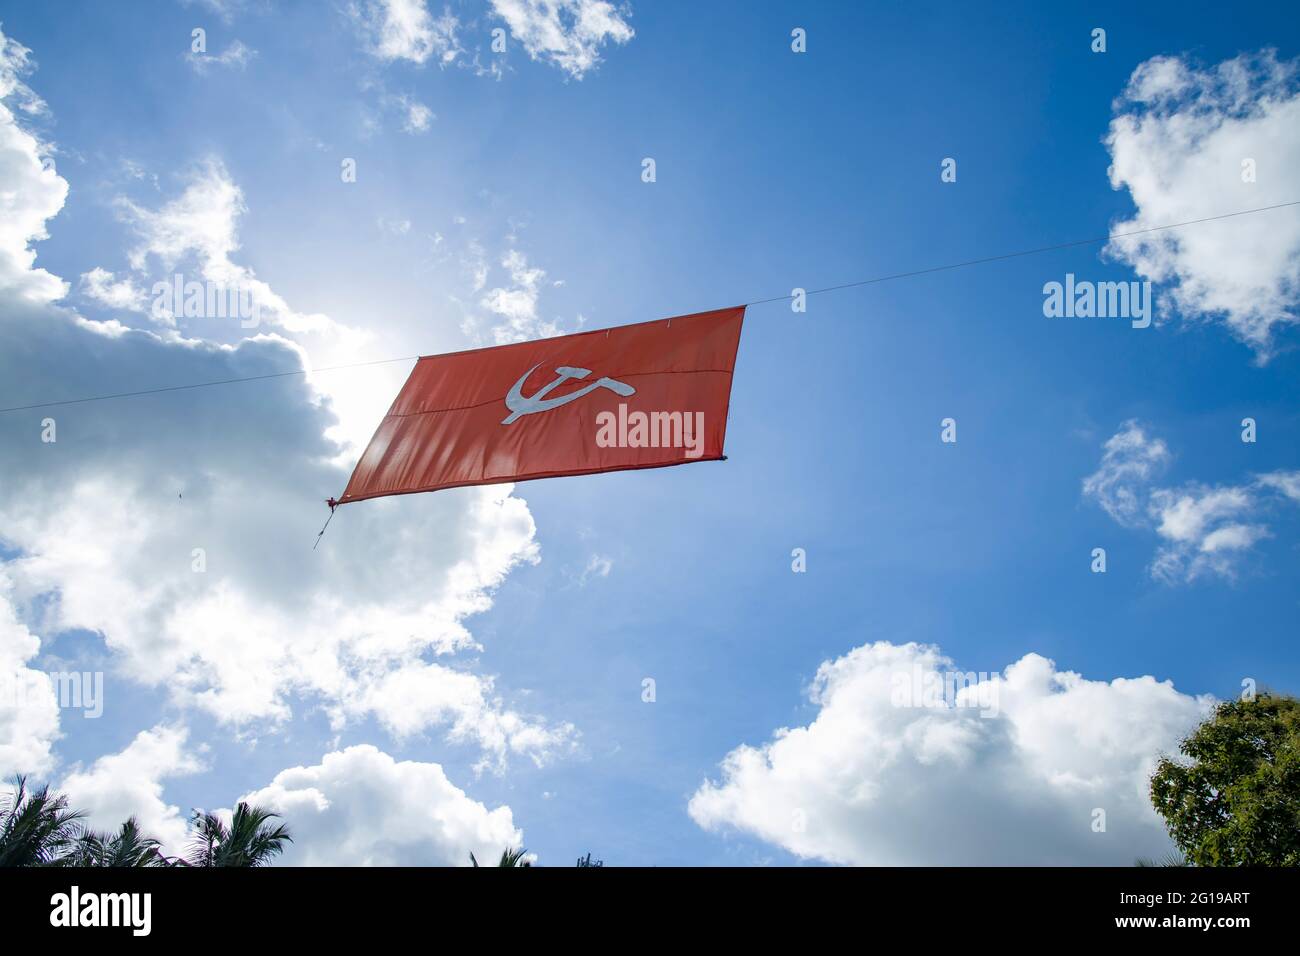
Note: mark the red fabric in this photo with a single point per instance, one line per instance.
(445, 429)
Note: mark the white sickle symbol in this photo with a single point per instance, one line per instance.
(520, 405)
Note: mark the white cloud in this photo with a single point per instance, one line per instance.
(1203, 529)
(1129, 462)
(104, 524)
(1178, 144)
(101, 286)
(871, 783)
(15, 63)
(360, 807)
(598, 566)
(1185, 516)
(421, 695)
(192, 240)
(517, 302)
(29, 707)
(235, 56)
(565, 33)
(1287, 482)
(405, 30)
(259, 631)
(418, 116)
(129, 783)
(203, 223)
(31, 191)
(1232, 537)
(499, 309)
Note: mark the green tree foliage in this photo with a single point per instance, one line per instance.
(250, 839)
(127, 847)
(37, 829)
(508, 858)
(1235, 798)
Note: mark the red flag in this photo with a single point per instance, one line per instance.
(636, 396)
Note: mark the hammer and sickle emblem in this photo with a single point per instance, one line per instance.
(520, 404)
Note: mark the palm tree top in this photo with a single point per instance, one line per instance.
(38, 828)
(509, 857)
(128, 847)
(250, 839)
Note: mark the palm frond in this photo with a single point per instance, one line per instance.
(250, 839)
(37, 828)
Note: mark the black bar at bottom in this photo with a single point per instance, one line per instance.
(302, 905)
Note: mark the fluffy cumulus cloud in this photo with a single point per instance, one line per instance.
(1027, 757)
(29, 708)
(1190, 142)
(408, 699)
(200, 228)
(566, 33)
(360, 807)
(182, 535)
(406, 30)
(177, 527)
(31, 190)
(186, 280)
(103, 287)
(1203, 529)
(130, 783)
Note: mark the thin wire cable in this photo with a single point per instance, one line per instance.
(223, 381)
(778, 298)
(1028, 252)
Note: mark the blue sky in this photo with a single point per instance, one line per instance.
(520, 174)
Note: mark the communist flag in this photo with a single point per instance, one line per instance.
(636, 396)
